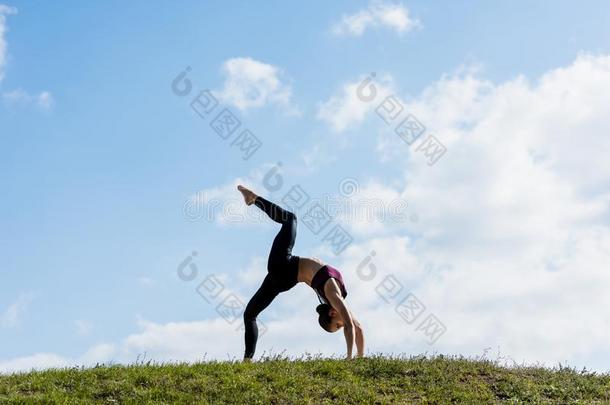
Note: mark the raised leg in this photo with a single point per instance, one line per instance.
(281, 249)
(274, 211)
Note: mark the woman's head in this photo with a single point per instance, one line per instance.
(329, 318)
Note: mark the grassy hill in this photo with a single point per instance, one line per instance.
(313, 380)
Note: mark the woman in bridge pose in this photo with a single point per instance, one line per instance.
(285, 270)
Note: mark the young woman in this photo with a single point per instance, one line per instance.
(285, 270)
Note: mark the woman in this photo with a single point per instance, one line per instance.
(285, 270)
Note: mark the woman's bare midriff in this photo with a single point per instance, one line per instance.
(308, 267)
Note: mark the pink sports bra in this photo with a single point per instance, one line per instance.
(320, 279)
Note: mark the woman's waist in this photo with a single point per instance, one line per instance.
(308, 268)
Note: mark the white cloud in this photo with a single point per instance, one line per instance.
(83, 328)
(253, 84)
(346, 109)
(38, 361)
(16, 96)
(4, 11)
(98, 354)
(312, 157)
(512, 247)
(224, 204)
(515, 150)
(14, 313)
(394, 16)
(291, 322)
(517, 212)
(182, 341)
(373, 209)
(43, 100)
(145, 281)
(319, 156)
(251, 277)
(481, 306)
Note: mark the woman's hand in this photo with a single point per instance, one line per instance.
(359, 338)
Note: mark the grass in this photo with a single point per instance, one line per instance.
(311, 380)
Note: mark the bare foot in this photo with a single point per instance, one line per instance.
(249, 196)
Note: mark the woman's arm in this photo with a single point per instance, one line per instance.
(359, 337)
(332, 292)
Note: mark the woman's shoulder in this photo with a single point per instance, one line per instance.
(336, 274)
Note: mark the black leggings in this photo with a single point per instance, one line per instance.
(282, 270)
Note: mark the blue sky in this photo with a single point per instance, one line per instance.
(98, 158)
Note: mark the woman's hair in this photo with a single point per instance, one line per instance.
(323, 316)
